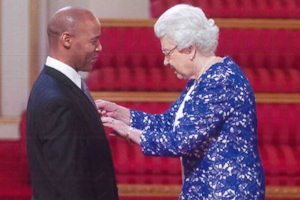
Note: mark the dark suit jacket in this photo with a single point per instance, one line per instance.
(68, 152)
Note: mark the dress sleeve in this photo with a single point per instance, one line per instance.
(204, 114)
(153, 122)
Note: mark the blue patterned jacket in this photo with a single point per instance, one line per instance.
(216, 137)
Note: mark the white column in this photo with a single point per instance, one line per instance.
(14, 62)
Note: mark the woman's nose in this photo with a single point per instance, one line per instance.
(166, 61)
(99, 47)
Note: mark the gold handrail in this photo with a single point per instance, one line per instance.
(223, 23)
(10, 120)
(157, 190)
(129, 96)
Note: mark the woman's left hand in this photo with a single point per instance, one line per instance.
(122, 129)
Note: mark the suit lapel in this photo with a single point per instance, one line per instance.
(72, 86)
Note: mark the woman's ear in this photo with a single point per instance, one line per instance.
(191, 50)
(66, 39)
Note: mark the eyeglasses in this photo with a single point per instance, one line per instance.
(168, 53)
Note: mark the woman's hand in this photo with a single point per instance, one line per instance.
(110, 109)
(122, 129)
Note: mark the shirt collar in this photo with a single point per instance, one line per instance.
(67, 70)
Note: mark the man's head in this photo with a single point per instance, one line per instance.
(74, 37)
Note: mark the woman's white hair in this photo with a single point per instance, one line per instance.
(187, 25)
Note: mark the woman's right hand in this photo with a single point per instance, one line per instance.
(113, 110)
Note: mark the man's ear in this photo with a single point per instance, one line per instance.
(66, 39)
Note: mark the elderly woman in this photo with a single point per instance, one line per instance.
(211, 126)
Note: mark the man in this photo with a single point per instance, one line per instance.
(68, 152)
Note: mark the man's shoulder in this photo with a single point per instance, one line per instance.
(47, 89)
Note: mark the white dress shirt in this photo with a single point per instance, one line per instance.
(67, 70)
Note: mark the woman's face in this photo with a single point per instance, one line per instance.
(178, 60)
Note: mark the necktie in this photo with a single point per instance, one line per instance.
(85, 90)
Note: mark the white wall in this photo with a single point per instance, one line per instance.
(136, 9)
(107, 8)
(15, 59)
(15, 46)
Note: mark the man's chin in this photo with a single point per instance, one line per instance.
(86, 68)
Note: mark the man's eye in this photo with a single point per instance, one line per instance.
(94, 41)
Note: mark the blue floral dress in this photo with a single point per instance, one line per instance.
(216, 136)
